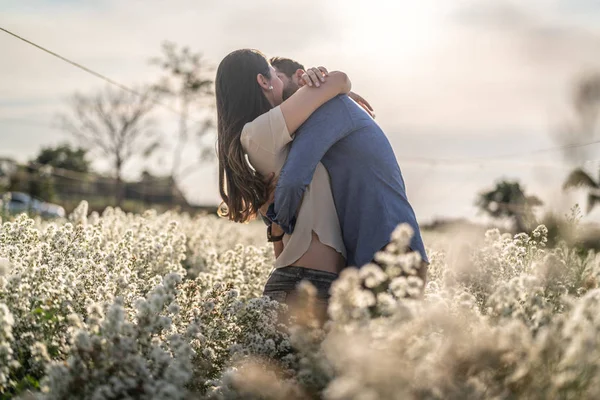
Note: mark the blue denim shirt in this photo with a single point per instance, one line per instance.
(367, 185)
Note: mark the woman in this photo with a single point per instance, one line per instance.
(254, 121)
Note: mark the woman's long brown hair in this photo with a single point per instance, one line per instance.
(240, 100)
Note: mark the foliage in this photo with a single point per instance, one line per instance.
(580, 178)
(508, 199)
(64, 157)
(583, 128)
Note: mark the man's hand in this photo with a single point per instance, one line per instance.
(272, 182)
(363, 103)
(314, 77)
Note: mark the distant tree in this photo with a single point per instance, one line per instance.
(584, 128)
(116, 125)
(64, 157)
(185, 82)
(581, 178)
(508, 199)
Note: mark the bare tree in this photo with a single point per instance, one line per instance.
(115, 124)
(583, 129)
(187, 84)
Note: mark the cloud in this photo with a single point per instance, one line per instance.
(498, 66)
(117, 39)
(552, 35)
(486, 79)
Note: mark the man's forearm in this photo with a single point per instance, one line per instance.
(276, 231)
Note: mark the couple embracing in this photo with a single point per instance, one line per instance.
(300, 149)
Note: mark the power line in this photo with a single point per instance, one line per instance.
(474, 163)
(413, 159)
(549, 149)
(480, 159)
(429, 163)
(94, 73)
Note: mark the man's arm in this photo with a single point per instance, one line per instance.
(329, 124)
(275, 231)
(278, 245)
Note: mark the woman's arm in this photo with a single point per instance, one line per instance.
(307, 100)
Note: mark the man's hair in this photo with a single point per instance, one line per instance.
(286, 66)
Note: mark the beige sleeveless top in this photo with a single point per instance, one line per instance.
(265, 140)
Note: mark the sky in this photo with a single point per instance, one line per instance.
(470, 81)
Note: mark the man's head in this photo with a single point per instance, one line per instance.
(290, 73)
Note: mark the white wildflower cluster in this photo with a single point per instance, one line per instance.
(52, 272)
(223, 328)
(517, 321)
(166, 306)
(215, 245)
(113, 356)
(6, 347)
(94, 299)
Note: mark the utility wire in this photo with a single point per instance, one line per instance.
(413, 159)
(480, 159)
(94, 73)
(429, 163)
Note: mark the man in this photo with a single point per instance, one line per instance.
(290, 72)
(367, 185)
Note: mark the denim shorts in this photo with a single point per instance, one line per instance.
(283, 281)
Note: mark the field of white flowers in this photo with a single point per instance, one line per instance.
(167, 306)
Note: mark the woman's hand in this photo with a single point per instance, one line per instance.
(298, 107)
(363, 103)
(314, 76)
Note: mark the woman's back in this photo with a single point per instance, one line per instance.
(317, 240)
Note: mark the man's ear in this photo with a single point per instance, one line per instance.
(263, 81)
(297, 77)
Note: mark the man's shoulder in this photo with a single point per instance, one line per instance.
(344, 105)
(337, 104)
(341, 112)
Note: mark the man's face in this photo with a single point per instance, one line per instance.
(289, 86)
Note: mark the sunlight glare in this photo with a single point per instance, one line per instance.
(402, 29)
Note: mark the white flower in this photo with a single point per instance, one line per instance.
(372, 275)
(149, 305)
(5, 266)
(402, 235)
(208, 353)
